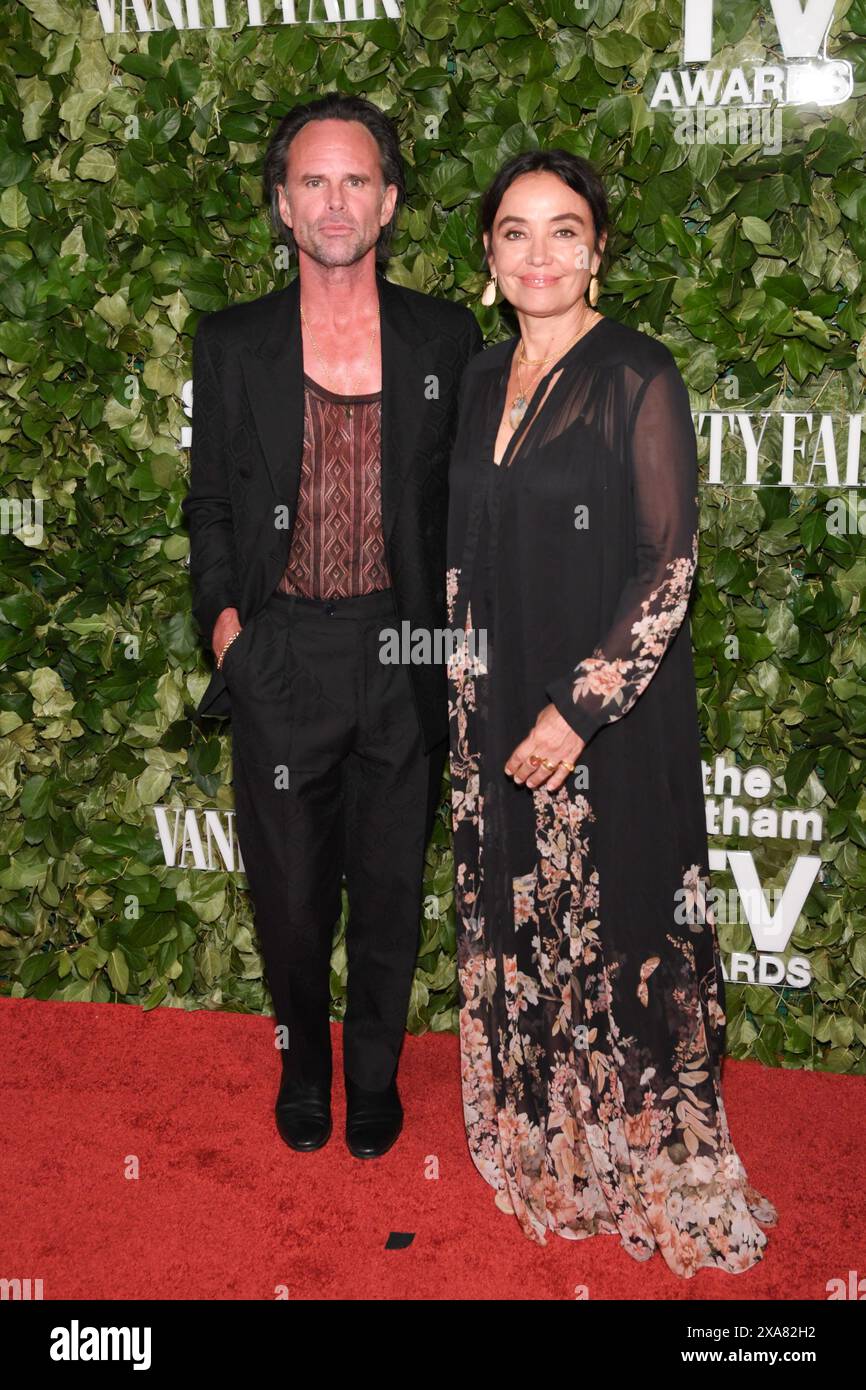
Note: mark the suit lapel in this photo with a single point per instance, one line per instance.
(274, 377)
(273, 374)
(409, 360)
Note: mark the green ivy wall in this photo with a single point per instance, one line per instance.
(130, 203)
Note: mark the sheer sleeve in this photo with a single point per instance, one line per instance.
(654, 601)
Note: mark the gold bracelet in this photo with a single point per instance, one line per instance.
(233, 638)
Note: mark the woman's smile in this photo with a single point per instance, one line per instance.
(539, 282)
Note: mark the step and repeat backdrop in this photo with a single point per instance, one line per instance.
(731, 139)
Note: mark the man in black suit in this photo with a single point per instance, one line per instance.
(324, 415)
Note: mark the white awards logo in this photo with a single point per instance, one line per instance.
(807, 75)
(771, 930)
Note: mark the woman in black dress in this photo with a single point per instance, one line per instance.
(592, 1023)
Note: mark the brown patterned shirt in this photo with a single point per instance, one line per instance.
(338, 548)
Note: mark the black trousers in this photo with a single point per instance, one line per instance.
(331, 780)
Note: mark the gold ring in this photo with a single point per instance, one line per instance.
(550, 766)
(569, 767)
(535, 761)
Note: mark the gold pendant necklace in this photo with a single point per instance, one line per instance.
(520, 403)
(325, 365)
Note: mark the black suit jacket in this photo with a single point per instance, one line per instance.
(247, 443)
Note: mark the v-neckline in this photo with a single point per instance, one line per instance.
(534, 401)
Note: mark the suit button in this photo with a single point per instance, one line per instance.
(330, 609)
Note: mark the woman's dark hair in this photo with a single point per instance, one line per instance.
(577, 172)
(337, 107)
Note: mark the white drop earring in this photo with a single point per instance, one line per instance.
(488, 294)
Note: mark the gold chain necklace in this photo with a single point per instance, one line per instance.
(520, 402)
(325, 365)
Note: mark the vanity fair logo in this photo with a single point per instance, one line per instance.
(198, 840)
(810, 450)
(807, 76)
(143, 16)
(771, 931)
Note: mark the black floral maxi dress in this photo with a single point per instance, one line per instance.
(591, 1021)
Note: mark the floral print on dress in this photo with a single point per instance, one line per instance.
(613, 1144)
(452, 578)
(616, 683)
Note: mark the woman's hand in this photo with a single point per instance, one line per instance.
(552, 740)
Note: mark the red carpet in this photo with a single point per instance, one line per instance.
(222, 1209)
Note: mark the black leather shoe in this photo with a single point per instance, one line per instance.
(303, 1114)
(374, 1119)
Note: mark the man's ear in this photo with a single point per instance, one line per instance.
(389, 202)
(285, 213)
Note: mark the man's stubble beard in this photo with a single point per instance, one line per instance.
(347, 252)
